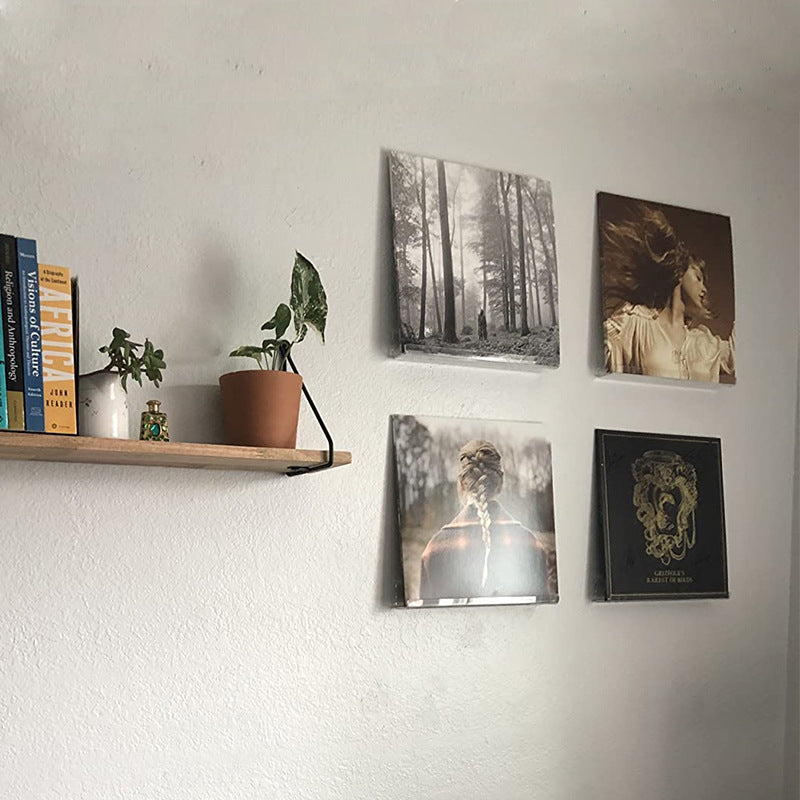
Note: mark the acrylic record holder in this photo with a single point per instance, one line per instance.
(295, 470)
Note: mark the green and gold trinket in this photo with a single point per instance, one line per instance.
(154, 423)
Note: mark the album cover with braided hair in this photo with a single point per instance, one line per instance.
(476, 514)
(663, 516)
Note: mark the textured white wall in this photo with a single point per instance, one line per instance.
(792, 746)
(191, 635)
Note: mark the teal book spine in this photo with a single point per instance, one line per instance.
(28, 267)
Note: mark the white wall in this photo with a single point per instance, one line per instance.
(792, 745)
(792, 748)
(181, 634)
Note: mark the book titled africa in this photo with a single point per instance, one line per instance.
(58, 355)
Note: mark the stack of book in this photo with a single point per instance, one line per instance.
(38, 339)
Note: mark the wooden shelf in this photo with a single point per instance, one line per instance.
(86, 450)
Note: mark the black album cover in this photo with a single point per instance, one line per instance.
(663, 516)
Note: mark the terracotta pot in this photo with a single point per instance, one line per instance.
(260, 407)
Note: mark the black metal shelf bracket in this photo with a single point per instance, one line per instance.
(295, 470)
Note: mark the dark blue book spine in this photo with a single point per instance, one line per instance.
(28, 267)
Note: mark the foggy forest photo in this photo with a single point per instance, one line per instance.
(475, 259)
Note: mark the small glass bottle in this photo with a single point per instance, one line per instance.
(154, 423)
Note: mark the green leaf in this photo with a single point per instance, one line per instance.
(309, 303)
(280, 322)
(118, 336)
(248, 352)
(124, 361)
(153, 374)
(282, 349)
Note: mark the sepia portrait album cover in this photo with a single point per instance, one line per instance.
(475, 509)
(662, 514)
(474, 264)
(667, 290)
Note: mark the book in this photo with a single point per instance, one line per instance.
(12, 333)
(58, 359)
(76, 349)
(28, 270)
(3, 396)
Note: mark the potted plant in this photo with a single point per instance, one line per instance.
(102, 395)
(260, 407)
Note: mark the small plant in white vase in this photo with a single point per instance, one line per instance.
(102, 395)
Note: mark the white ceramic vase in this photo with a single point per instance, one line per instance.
(102, 406)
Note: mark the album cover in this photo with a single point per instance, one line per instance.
(663, 515)
(668, 296)
(475, 506)
(475, 264)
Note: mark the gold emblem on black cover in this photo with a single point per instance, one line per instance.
(665, 496)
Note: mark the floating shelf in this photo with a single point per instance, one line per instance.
(132, 452)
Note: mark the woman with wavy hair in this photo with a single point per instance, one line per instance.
(656, 303)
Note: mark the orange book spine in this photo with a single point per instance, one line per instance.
(58, 354)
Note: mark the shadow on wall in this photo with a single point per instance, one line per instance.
(386, 320)
(210, 305)
(390, 590)
(194, 413)
(596, 347)
(595, 561)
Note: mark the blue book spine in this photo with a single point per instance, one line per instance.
(28, 267)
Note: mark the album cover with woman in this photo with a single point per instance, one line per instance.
(663, 515)
(475, 506)
(668, 294)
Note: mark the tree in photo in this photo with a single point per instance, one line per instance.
(449, 333)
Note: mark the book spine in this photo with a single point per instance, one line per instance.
(58, 353)
(3, 394)
(9, 307)
(76, 326)
(28, 271)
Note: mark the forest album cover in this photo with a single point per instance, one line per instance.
(475, 506)
(475, 262)
(663, 515)
(668, 297)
